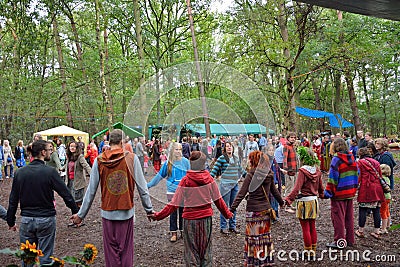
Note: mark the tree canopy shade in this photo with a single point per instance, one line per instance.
(126, 129)
(229, 129)
(333, 120)
(65, 131)
(386, 9)
(95, 60)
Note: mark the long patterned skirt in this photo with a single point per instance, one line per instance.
(197, 242)
(258, 245)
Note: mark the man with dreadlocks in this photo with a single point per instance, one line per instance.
(307, 188)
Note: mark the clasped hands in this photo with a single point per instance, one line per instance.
(75, 219)
(151, 216)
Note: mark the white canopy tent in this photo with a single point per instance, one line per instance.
(64, 130)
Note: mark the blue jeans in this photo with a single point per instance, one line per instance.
(228, 195)
(174, 217)
(11, 170)
(1, 168)
(42, 231)
(173, 220)
(3, 213)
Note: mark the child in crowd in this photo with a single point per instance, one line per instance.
(307, 189)
(163, 157)
(146, 162)
(353, 147)
(106, 146)
(385, 211)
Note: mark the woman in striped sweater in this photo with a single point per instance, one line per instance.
(228, 164)
(341, 189)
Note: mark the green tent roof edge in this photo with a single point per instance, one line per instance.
(118, 125)
(254, 128)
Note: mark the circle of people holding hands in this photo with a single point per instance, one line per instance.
(267, 173)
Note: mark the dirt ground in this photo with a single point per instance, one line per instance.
(152, 246)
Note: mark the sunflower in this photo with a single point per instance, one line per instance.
(27, 245)
(57, 262)
(29, 254)
(38, 252)
(89, 253)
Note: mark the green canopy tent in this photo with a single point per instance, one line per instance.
(126, 129)
(229, 129)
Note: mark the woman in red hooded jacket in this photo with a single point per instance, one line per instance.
(370, 192)
(92, 153)
(196, 191)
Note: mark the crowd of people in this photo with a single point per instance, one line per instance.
(268, 173)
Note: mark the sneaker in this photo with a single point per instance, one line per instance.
(233, 230)
(7, 177)
(383, 231)
(174, 237)
(79, 225)
(332, 245)
(224, 231)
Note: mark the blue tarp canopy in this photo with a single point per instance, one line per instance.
(333, 120)
(229, 129)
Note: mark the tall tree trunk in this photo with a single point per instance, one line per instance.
(290, 121)
(292, 101)
(107, 69)
(157, 68)
(199, 74)
(398, 101)
(363, 75)
(15, 74)
(106, 97)
(79, 55)
(317, 101)
(5, 105)
(140, 49)
(284, 29)
(384, 105)
(39, 93)
(352, 96)
(62, 72)
(337, 77)
(336, 101)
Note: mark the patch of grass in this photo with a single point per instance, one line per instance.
(396, 156)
